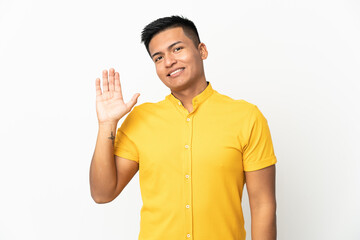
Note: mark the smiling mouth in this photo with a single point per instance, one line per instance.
(177, 71)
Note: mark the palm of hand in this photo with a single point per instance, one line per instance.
(110, 106)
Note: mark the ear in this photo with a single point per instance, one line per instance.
(203, 51)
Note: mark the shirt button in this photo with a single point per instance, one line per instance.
(188, 119)
(187, 206)
(179, 103)
(186, 146)
(187, 176)
(188, 235)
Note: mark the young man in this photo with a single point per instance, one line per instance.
(194, 150)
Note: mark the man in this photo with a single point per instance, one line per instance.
(194, 150)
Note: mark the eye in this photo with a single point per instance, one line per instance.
(178, 49)
(158, 58)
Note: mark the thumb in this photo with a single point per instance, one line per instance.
(133, 101)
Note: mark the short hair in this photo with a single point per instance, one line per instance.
(165, 23)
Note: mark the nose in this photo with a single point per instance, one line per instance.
(169, 60)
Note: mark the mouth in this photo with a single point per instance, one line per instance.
(176, 73)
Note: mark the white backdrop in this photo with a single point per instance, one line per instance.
(298, 61)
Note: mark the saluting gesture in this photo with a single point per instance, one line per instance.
(110, 105)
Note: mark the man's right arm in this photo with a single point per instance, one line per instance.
(109, 174)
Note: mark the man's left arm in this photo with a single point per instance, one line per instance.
(261, 191)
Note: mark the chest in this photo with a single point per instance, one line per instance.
(176, 144)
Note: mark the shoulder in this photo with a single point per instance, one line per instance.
(237, 106)
(147, 109)
(150, 106)
(139, 115)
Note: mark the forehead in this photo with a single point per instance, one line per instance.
(165, 38)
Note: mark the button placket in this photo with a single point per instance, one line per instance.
(187, 180)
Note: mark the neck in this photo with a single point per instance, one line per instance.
(186, 95)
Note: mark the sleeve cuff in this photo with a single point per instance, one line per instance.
(260, 164)
(126, 155)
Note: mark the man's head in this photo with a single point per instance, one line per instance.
(165, 23)
(175, 48)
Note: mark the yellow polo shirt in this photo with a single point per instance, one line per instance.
(191, 165)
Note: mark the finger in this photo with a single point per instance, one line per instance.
(97, 86)
(105, 81)
(117, 84)
(111, 79)
(133, 101)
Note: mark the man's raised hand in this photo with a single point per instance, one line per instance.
(110, 106)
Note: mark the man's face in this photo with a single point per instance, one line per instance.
(178, 62)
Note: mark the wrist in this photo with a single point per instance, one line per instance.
(108, 124)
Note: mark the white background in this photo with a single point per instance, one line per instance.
(298, 61)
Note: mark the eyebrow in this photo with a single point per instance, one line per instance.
(170, 46)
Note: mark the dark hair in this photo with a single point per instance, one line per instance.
(165, 23)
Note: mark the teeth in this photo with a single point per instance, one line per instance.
(176, 71)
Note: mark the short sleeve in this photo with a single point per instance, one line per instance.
(125, 140)
(258, 152)
(124, 147)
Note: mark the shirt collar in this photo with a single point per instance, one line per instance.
(197, 100)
